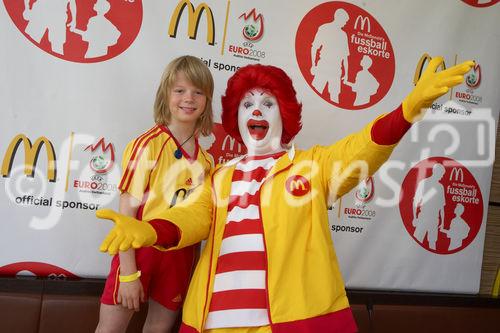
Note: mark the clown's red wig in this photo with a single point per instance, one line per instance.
(271, 79)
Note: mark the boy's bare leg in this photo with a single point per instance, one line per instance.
(159, 319)
(113, 319)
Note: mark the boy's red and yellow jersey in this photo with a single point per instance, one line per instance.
(154, 176)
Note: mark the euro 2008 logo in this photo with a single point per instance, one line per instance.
(345, 55)
(78, 31)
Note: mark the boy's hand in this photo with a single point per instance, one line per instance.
(131, 294)
(128, 232)
(431, 85)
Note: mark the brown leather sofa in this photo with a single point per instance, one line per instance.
(30, 305)
(50, 306)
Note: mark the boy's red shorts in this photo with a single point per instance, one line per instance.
(164, 275)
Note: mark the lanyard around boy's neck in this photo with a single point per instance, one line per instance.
(178, 151)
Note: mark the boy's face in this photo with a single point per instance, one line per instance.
(259, 122)
(186, 101)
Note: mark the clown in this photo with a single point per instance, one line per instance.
(269, 264)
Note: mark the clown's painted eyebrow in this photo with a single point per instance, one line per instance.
(261, 93)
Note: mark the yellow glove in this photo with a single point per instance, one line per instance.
(431, 85)
(127, 232)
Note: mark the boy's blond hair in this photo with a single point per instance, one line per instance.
(199, 75)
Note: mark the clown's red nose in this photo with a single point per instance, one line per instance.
(257, 113)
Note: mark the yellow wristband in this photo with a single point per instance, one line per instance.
(129, 278)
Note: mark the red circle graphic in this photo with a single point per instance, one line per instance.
(441, 205)
(78, 31)
(345, 55)
(223, 147)
(40, 269)
(481, 4)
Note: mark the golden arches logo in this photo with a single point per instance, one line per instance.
(231, 142)
(194, 16)
(31, 153)
(424, 59)
(362, 21)
(297, 185)
(457, 174)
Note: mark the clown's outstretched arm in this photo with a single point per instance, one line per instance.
(185, 224)
(359, 155)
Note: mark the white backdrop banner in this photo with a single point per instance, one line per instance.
(78, 80)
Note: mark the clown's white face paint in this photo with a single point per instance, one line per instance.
(259, 123)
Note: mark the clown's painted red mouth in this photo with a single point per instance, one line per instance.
(257, 128)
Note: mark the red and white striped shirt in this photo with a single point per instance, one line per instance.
(239, 296)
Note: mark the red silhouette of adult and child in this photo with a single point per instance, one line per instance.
(331, 46)
(428, 212)
(54, 17)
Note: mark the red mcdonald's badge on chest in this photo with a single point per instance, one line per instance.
(297, 185)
